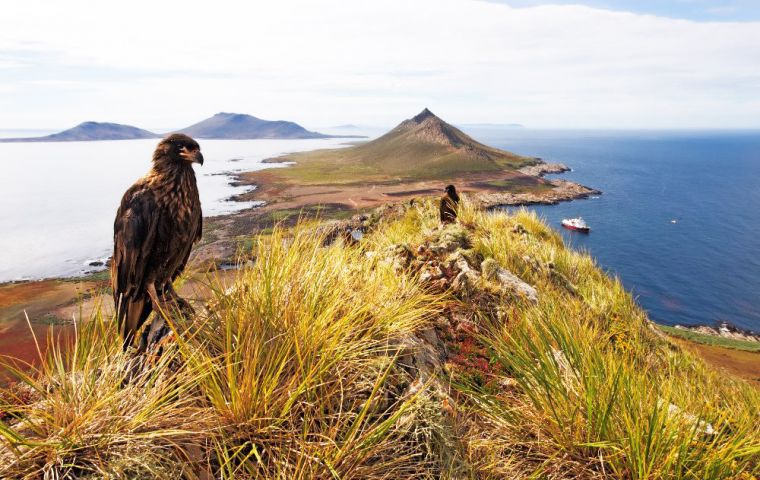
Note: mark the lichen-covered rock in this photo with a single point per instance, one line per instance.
(448, 239)
(422, 354)
(507, 280)
(431, 272)
(466, 277)
(454, 236)
(534, 264)
(400, 256)
(331, 231)
(561, 280)
(693, 421)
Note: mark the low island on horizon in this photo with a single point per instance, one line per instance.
(222, 125)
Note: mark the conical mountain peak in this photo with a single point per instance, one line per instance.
(423, 146)
(424, 115)
(427, 127)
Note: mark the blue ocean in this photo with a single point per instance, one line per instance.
(678, 220)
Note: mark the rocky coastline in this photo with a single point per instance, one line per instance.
(563, 191)
(543, 168)
(724, 330)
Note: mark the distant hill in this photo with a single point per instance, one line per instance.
(421, 147)
(241, 126)
(221, 126)
(89, 131)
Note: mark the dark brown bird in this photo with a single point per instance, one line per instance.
(157, 223)
(449, 202)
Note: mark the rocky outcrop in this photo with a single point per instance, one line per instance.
(724, 330)
(508, 280)
(541, 169)
(562, 191)
(445, 262)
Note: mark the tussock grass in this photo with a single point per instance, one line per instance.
(301, 355)
(598, 392)
(301, 370)
(292, 373)
(75, 415)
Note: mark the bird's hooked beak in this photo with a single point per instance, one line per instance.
(192, 156)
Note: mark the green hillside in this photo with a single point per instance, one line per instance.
(481, 350)
(423, 147)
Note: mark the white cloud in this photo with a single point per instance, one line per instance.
(166, 64)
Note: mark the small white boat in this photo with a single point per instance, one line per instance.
(576, 224)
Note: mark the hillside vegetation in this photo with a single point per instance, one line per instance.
(422, 147)
(484, 349)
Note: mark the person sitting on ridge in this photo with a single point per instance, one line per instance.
(449, 202)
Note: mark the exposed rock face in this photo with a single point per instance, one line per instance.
(508, 280)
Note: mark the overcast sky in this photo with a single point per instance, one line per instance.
(165, 64)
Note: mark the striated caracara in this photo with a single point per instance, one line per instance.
(449, 202)
(157, 223)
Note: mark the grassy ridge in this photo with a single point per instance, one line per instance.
(302, 370)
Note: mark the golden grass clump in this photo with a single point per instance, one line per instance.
(300, 356)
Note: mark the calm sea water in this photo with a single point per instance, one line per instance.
(703, 269)
(58, 200)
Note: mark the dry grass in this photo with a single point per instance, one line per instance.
(291, 374)
(598, 393)
(296, 373)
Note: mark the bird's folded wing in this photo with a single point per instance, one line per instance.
(188, 248)
(134, 238)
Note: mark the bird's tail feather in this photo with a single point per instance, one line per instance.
(131, 313)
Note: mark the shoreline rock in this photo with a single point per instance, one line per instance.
(563, 191)
(541, 169)
(724, 329)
